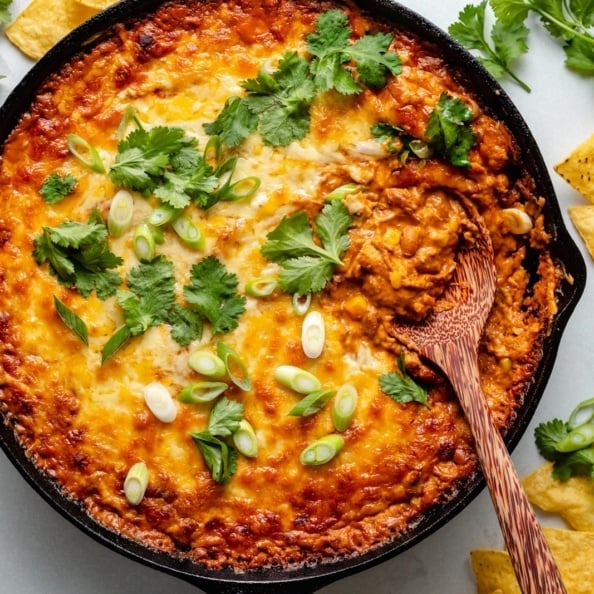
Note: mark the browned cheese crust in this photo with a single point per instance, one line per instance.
(85, 424)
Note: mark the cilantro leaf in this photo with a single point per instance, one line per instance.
(332, 50)
(548, 435)
(225, 417)
(448, 131)
(577, 463)
(150, 296)
(401, 387)
(56, 187)
(5, 16)
(186, 325)
(212, 291)
(78, 255)
(220, 458)
(306, 266)
(508, 40)
(147, 301)
(234, 123)
(579, 56)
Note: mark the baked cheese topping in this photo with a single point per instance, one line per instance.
(85, 421)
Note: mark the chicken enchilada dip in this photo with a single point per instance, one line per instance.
(210, 220)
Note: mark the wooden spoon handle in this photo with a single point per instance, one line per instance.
(533, 562)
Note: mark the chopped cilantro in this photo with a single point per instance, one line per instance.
(508, 40)
(331, 47)
(79, 255)
(401, 387)
(448, 130)
(56, 187)
(306, 267)
(212, 291)
(220, 458)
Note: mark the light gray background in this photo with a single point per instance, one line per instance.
(42, 553)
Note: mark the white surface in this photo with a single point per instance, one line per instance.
(42, 553)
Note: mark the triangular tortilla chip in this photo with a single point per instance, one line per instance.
(577, 169)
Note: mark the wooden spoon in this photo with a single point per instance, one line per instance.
(450, 339)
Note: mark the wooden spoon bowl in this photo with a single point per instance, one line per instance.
(450, 339)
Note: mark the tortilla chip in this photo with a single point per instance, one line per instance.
(44, 22)
(572, 551)
(573, 499)
(97, 4)
(577, 169)
(582, 218)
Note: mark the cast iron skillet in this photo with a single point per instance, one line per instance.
(311, 578)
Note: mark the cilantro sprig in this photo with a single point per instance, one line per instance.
(401, 387)
(212, 292)
(220, 457)
(449, 131)
(78, 255)
(5, 16)
(497, 48)
(333, 53)
(306, 266)
(569, 445)
(570, 21)
(277, 104)
(163, 161)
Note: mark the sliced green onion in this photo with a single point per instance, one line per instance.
(313, 334)
(312, 403)
(207, 363)
(241, 189)
(297, 379)
(200, 392)
(128, 117)
(236, 368)
(261, 287)
(583, 413)
(420, 148)
(117, 340)
(578, 438)
(322, 450)
(213, 151)
(85, 153)
(120, 213)
(189, 232)
(301, 303)
(136, 483)
(343, 407)
(341, 192)
(144, 242)
(245, 439)
(160, 402)
(71, 320)
(163, 214)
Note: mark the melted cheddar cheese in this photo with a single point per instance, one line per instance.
(85, 423)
